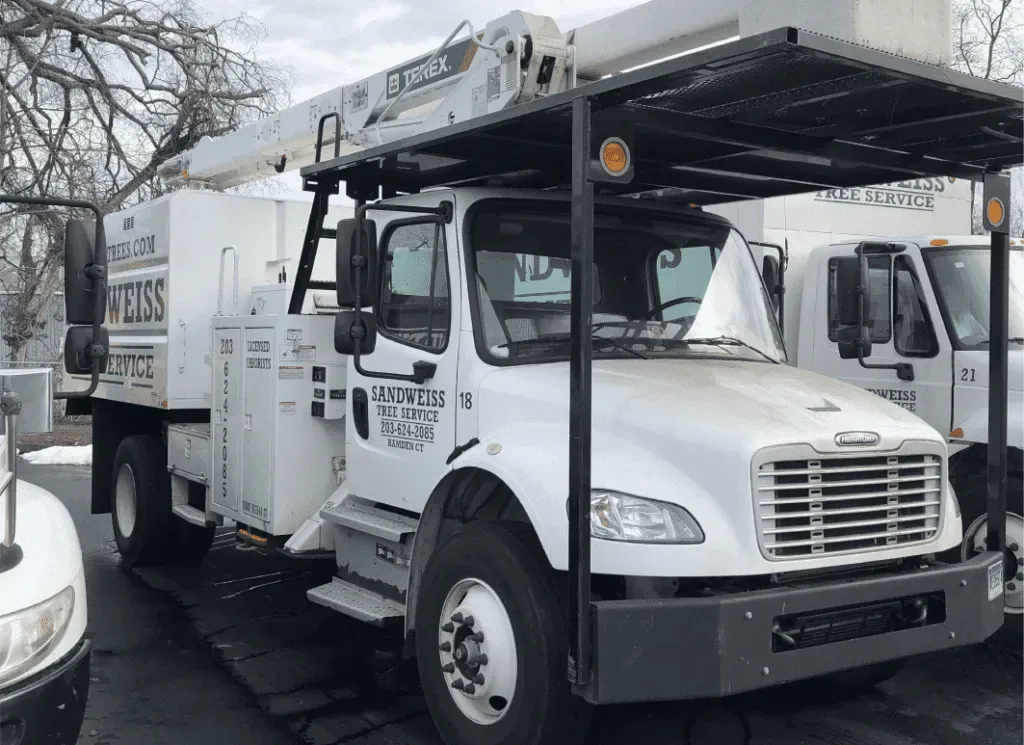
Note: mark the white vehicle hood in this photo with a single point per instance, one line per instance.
(748, 405)
(683, 431)
(52, 557)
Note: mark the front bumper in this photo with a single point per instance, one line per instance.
(684, 648)
(48, 708)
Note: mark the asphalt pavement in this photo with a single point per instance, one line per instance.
(233, 652)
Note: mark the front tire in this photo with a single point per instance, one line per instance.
(970, 481)
(141, 500)
(491, 644)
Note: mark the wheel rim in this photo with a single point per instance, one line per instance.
(124, 500)
(976, 541)
(477, 651)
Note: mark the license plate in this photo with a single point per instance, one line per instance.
(995, 580)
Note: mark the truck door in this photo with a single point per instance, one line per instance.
(400, 434)
(903, 330)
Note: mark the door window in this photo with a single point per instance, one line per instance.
(414, 298)
(879, 271)
(912, 327)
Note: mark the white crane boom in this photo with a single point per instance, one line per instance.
(517, 58)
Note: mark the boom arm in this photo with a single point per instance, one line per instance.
(520, 57)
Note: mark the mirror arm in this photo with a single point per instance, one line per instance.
(97, 271)
(904, 370)
(421, 371)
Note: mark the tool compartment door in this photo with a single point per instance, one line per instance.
(227, 418)
(258, 427)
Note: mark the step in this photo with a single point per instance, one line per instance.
(358, 515)
(191, 515)
(363, 605)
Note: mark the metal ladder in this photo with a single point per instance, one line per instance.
(316, 231)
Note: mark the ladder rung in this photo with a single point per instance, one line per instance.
(318, 285)
(328, 233)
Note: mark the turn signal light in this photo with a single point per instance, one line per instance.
(938, 242)
(614, 156)
(958, 433)
(995, 211)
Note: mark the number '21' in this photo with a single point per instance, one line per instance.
(967, 375)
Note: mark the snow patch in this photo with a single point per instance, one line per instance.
(61, 455)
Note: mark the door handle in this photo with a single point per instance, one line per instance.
(361, 412)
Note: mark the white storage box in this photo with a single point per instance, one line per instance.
(276, 459)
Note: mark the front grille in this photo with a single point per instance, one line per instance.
(847, 504)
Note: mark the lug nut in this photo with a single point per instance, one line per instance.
(1010, 586)
(469, 620)
(1013, 547)
(478, 637)
(457, 617)
(446, 647)
(458, 684)
(448, 627)
(1020, 576)
(479, 680)
(449, 668)
(470, 688)
(481, 660)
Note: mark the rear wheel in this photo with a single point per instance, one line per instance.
(491, 645)
(141, 500)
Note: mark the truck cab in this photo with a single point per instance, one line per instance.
(929, 298)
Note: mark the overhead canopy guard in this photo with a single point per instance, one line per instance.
(779, 113)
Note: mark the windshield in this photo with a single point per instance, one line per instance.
(961, 277)
(665, 285)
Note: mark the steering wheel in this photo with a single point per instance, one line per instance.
(671, 303)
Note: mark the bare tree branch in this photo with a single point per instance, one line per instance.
(94, 95)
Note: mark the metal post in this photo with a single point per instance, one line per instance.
(998, 377)
(10, 407)
(996, 219)
(581, 321)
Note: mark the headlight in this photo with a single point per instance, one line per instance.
(621, 517)
(26, 636)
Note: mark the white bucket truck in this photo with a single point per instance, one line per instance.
(521, 231)
(929, 300)
(44, 651)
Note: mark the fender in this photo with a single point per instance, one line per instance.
(974, 403)
(533, 462)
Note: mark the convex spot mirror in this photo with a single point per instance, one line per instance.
(346, 267)
(77, 349)
(852, 340)
(350, 325)
(79, 288)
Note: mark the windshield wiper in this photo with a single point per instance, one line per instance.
(562, 338)
(727, 341)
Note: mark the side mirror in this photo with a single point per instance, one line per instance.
(350, 325)
(770, 273)
(80, 348)
(851, 286)
(347, 253)
(80, 282)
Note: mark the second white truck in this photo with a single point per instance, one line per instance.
(930, 303)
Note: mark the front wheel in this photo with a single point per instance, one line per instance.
(491, 644)
(971, 486)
